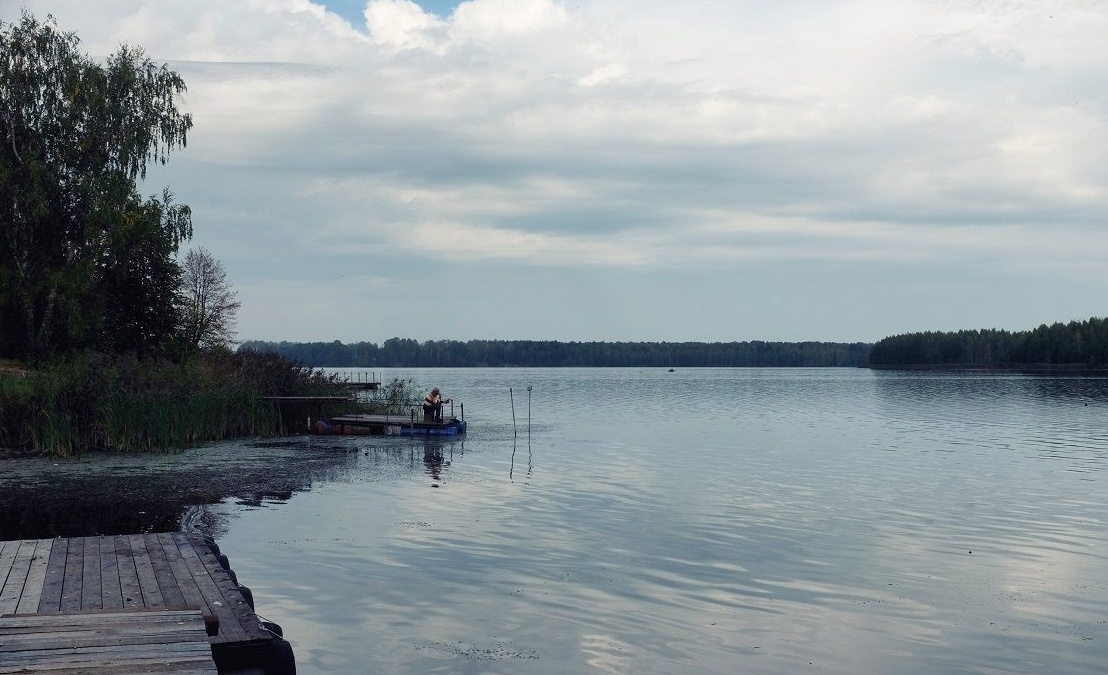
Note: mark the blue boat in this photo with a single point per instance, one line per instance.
(451, 427)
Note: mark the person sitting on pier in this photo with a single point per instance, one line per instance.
(432, 406)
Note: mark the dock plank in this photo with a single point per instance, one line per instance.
(129, 587)
(111, 591)
(51, 599)
(36, 578)
(71, 584)
(172, 593)
(16, 579)
(91, 597)
(152, 595)
(230, 627)
(144, 641)
(7, 557)
(216, 585)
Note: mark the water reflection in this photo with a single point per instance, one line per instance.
(437, 456)
(1057, 418)
(832, 521)
(512, 461)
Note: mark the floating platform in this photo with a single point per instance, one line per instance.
(383, 425)
(110, 586)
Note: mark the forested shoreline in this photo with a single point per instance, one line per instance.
(1077, 345)
(409, 353)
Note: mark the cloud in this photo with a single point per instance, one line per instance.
(668, 138)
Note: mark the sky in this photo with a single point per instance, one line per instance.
(635, 170)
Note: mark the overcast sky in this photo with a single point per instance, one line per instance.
(636, 169)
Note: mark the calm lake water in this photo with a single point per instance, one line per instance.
(641, 521)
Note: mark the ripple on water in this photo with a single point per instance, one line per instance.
(708, 521)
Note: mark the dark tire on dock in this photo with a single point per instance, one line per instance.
(234, 577)
(281, 660)
(274, 628)
(223, 561)
(247, 595)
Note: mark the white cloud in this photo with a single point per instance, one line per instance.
(397, 25)
(668, 138)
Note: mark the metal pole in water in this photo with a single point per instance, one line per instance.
(528, 410)
(513, 399)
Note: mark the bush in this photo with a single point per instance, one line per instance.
(396, 397)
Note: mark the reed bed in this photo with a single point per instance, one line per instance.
(124, 404)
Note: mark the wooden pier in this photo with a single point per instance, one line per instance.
(358, 380)
(388, 424)
(298, 413)
(140, 599)
(127, 641)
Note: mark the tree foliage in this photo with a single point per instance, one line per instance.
(81, 252)
(210, 304)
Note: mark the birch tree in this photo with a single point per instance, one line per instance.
(75, 137)
(210, 303)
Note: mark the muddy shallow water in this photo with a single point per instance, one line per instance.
(111, 494)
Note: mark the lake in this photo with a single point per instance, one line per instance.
(645, 521)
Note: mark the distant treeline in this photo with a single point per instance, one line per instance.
(408, 353)
(1076, 344)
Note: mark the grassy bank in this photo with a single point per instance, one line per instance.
(93, 402)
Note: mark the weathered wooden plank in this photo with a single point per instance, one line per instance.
(149, 627)
(148, 577)
(230, 629)
(7, 557)
(71, 584)
(73, 638)
(217, 586)
(129, 587)
(144, 641)
(36, 578)
(51, 600)
(172, 591)
(91, 597)
(49, 637)
(111, 593)
(105, 618)
(124, 659)
(17, 577)
(94, 577)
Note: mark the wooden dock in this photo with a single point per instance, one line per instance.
(110, 585)
(383, 424)
(298, 413)
(126, 641)
(357, 380)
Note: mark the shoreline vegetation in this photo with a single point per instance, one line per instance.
(97, 402)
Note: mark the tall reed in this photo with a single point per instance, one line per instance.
(94, 402)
